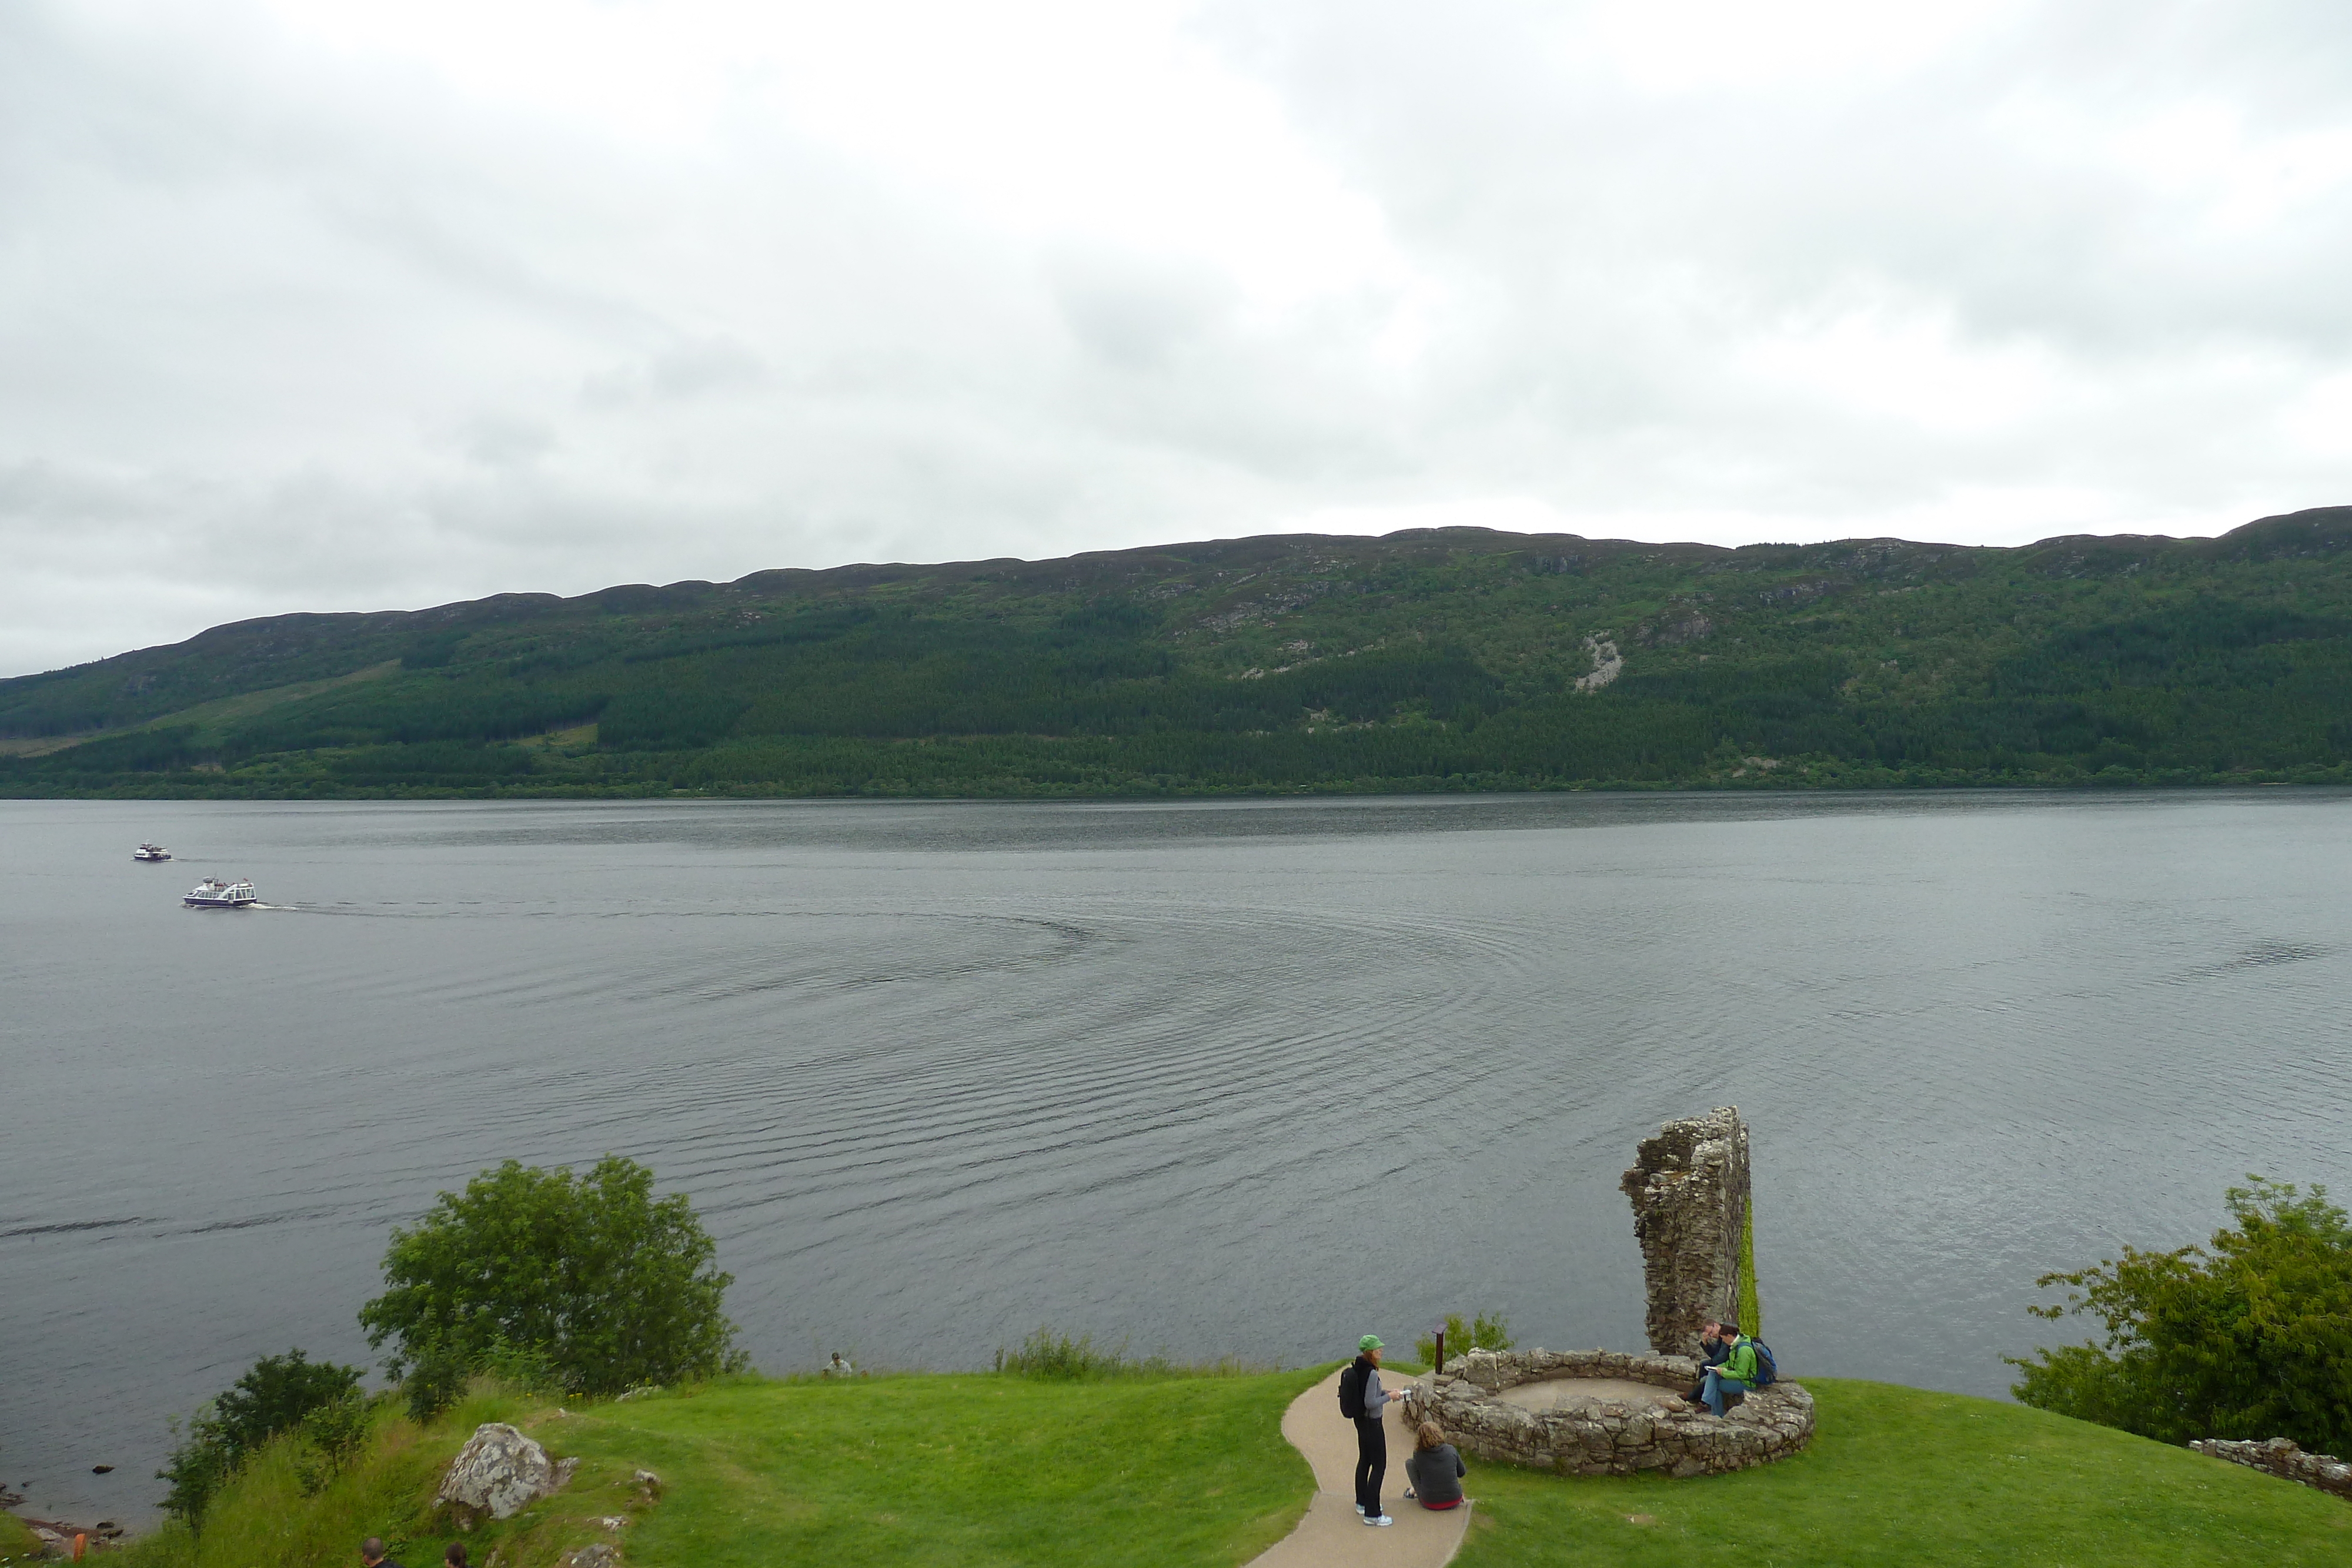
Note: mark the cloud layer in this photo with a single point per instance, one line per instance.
(350, 306)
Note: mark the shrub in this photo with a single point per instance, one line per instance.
(1483, 1333)
(592, 1282)
(1061, 1359)
(2241, 1338)
(333, 1436)
(1058, 1358)
(277, 1395)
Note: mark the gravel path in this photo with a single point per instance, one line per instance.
(1331, 1536)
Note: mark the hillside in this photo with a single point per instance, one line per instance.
(1432, 658)
(984, 1469)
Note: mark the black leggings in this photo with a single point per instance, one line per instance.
(1372, 1463)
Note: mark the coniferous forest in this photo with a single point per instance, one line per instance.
(1449, 659)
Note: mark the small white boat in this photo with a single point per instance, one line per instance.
(151, 852)
(213, 893)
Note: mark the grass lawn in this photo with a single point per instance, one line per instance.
(974, 1470)
(1898, 1477)
(15, 1538)
(970, 1470)
(984, 1470)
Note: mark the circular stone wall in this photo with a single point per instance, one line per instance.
(1596, 1413)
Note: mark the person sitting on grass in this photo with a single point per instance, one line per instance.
(372, 1554)
(1736, 1375)
(1434, 1470)
(1711, 1352)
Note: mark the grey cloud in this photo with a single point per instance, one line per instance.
(283, 327)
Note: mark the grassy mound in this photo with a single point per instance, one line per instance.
(974, 1469)
(985, 1469)
(1897, 1476)
(263, 1516)
(16, 1539)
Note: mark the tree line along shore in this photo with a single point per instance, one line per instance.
(1452, 659)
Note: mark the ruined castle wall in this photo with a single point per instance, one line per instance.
(1608, 1437)
(1690, 1193)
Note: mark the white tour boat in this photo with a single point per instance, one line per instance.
(213, 893)
(151, 852)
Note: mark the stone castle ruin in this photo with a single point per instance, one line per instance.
(1689, 1187)
(1597, 1413)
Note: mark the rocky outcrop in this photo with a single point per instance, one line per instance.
(1608, 1436)
(1689, 1188)
(501, 1472)
(2283, 1458)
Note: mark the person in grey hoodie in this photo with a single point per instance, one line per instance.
(1371, 1440)
(1434, 1470)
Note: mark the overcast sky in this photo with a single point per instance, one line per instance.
(356, 306)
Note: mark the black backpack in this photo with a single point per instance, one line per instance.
(1352, 1392)
(1767, 1371)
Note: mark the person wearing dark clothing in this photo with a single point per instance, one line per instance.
(1737, 1373)
(1371, 1440)
(1434, 1470)
(372, 1554)
(1712, 1349)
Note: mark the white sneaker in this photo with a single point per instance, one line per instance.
(1383, 1519)
(1360, 1510)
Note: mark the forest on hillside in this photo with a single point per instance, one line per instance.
(1450, 659)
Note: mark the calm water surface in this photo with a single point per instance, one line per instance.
(1210, 1078)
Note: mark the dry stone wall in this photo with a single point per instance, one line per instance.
(1690, 1193)
(1608, 1436)
(2284, 1458)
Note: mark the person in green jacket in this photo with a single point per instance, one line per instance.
(1737, 1374)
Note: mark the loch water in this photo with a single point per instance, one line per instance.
(1207, 1077)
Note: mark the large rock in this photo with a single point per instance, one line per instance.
(501, 1472)
(1689, 1187)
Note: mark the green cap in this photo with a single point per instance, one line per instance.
(1369, 1342)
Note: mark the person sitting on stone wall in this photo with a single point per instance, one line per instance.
(1434, 1470)
(1734, 1375)
(1711, 1352)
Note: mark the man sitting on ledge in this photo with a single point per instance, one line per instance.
(1711, 1352)
(1737, 1374)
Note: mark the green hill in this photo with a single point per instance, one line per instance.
(985, 1469)
(1452, 658)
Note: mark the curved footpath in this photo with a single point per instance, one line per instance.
(1331, 1536)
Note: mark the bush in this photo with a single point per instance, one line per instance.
(1484, 1333)
(277, 1395)
(333, 1436)
(590, 1282)
(2242, 1338)
(1058, 1358)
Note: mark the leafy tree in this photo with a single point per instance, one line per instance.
(1484, 1333)
(604, 1286)
(277, 1395)
(2245, 1337)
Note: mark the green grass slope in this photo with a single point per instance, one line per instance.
(984, 1469)
(978, 1469)
(1452, 659)
(16, 1541)
(1898, 1476)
